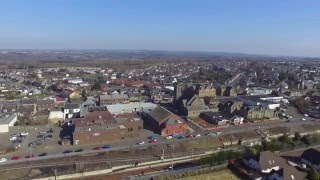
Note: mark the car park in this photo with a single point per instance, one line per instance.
(106, 146)
(141, 142)
(16, 158)
(3, 160)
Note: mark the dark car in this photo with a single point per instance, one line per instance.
(78, 150)
(67, 151)
(106, 146)
(180, 137)
(17, 141)
(43, 154)
(50, 130)
(40, 136)
(48, 137)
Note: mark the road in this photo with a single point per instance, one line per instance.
(57, 152)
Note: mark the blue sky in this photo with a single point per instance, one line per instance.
(275, 27)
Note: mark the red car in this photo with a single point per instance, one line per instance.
(15, 158)
(153, 141)
(30, 156)
(97, 148)
(190, 136)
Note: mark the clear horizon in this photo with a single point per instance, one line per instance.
(286, 28)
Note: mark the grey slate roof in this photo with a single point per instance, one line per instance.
(71, 106)
(159, 113)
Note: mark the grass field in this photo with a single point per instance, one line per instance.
(225, 174)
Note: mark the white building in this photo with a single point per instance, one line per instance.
(6, 122)
(130, 107)
(258, 91)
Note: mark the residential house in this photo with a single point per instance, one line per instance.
(113, 99)
(205, 91)
(233, 107)
(311, 157)
(71, 110)
(264, 162)
(286, 173)
(257, 112)
(215, 118)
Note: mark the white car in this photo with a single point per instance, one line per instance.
(24, 134)
(169, 137)
(306, 115)
(141, 142)
(303, 119)
(198, 135)
(218, 133)
(3, 160)
(13, 138)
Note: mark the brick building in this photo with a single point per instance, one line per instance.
(101, 126)
(165, 122)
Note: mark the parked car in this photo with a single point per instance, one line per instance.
(42, 132)
(16, 158)
(24, 134)
(198, 135)
(12, 138)
(50, 130)
(48, 137)
(97, 148)
(15, 135)
(78, 150)
(181, 137)
(106, 146)
(17, 141)
(30, 156)
(43, 154)
(190, 136)
(141, 142)
(3, 160)
(67, 151)
(169, 137)
(153, 141)
(153, 137)
(218, 133)
(303, 119)
(40, 136)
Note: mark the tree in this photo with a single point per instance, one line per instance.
(306, 140)
(84, 95)
(96, 86)
(297, 136)
(313, 175)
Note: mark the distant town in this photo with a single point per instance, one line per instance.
(68, 113)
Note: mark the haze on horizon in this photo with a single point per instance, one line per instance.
(288, 27)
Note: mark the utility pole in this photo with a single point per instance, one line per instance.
(172, 157)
